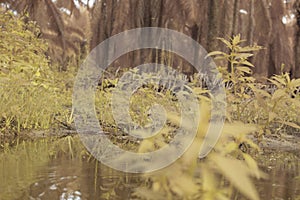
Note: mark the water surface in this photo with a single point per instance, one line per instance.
(39, 171)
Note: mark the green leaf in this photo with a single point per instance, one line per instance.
(295, 83)
(237, 173)
(278, 94)
(215, 53)
(278, 85)
(220, 57)
(236, 40)
(226, 42)
(287, 77)
(245, 62)
(252, 165)
(279, 80)
(249, 48)
(244, 69)
(243, 55)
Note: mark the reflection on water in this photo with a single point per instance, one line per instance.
(76, 180)
(33, 171)
(29, 171)
(283, 169)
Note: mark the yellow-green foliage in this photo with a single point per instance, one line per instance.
(251, 101)
(28, 95)
(229, 167)
(215, 177)
(236, 78)
(33, 95)
(140, 103)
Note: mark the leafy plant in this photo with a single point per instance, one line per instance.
(237, 75)
(251, 101)
(29, 92)
(215, 177)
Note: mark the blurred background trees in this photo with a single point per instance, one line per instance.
(73, 27)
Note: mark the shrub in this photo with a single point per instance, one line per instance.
(27, 91)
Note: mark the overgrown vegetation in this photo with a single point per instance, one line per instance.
(273, 106)
(253, 110)
(35, 96)
(32, 92)
(27, 89)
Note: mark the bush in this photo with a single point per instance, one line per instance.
(27, 91)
